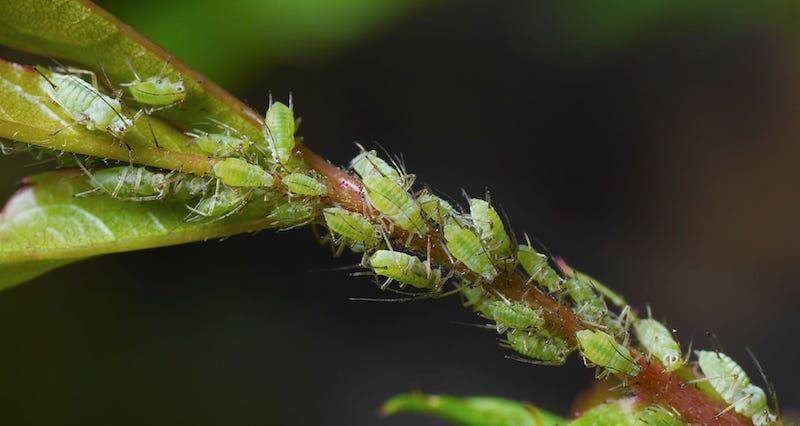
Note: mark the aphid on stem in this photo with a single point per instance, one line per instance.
(279, 129)
(466, 246)
(406, 269)
(600, 349)
(158, 91)
(239, 173)
(539, 346)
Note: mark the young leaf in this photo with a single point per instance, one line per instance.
(45, 225)
(80, 32)
(28, 115)
(472, 411)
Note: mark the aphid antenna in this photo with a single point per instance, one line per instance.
(715, 343)
(773, 394)
(36, 68)
(470, 324)
(107, 82)
(531, 361)
(133, 70)
(163, 70)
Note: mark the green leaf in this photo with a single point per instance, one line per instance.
(472, 411)
(29, 116)
(80, 32)
(45, 225)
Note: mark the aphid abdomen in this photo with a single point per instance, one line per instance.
(490, 228)
(237, 172)
(279, 127)
(218, 144)
(298, 183)
(188, 187)
(130, 181)
(658, 341)
(350, 225)
(539, 346)
(602, 350)
(435, 208)
(367, 163)
(404, 268)
(465, 246)
(157, 91)
(536, 265)
(732, 384)
(223, 201)
(395, 203)
(514, 315)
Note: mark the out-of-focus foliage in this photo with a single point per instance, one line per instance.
(227, 40)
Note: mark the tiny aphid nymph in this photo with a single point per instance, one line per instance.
(237, 172)
(279, 128)
(602, 350)
(300, 184)
(85, 103)
(508, 314)
(157, 91)
(395, 203)
(537, 266)
(352, 226)
(465, 246)
(538, 346)
(658, 341)
(490, 228)
(217, 144)
(405, 268)
(732, 384)
(222, 203)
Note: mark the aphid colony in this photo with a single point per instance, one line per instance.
(475, 240)
(243, 170)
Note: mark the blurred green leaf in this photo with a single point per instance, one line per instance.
(45, 225)
(252, 33)
(472, 411)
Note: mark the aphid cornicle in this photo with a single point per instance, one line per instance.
(658, 341)
(405, 268)
(536, 265)
(732, 384)
(395, 203)
(237, 172)
(508, 314)
(131, 183)
(300, 184)
(279, 128)
(435, 208)
(367, 163)
(350, 225)
(602, 350)
(539, 346)
(85, 103)
(465, 246)
(490, 228)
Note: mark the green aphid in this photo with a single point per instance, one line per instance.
(517, 315)
(537, 266)
(490, 228)
(435, 208)
(130, 182)
(658, 342)
(157, 91)
(406, 269)
(367, 163)
(538, 346)
(395, 203)
(290, 214)
(465, 246)
(732, 384)
(218, 145)
(300, 184)
(627, 412)
(600, 349)
(657, 415)
(187, 187)
(223, 202)
(239, 173)
(591, 307)
(85, 103)
(472, 411)
(279, 128)
(352, 226)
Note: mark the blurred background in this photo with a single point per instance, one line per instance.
(651, 144)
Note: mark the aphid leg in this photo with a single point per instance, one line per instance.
(70, 125)
(79, 71)
(770, 386)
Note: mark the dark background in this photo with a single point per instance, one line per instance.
(654, 146)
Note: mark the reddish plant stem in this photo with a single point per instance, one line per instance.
(652, 384)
